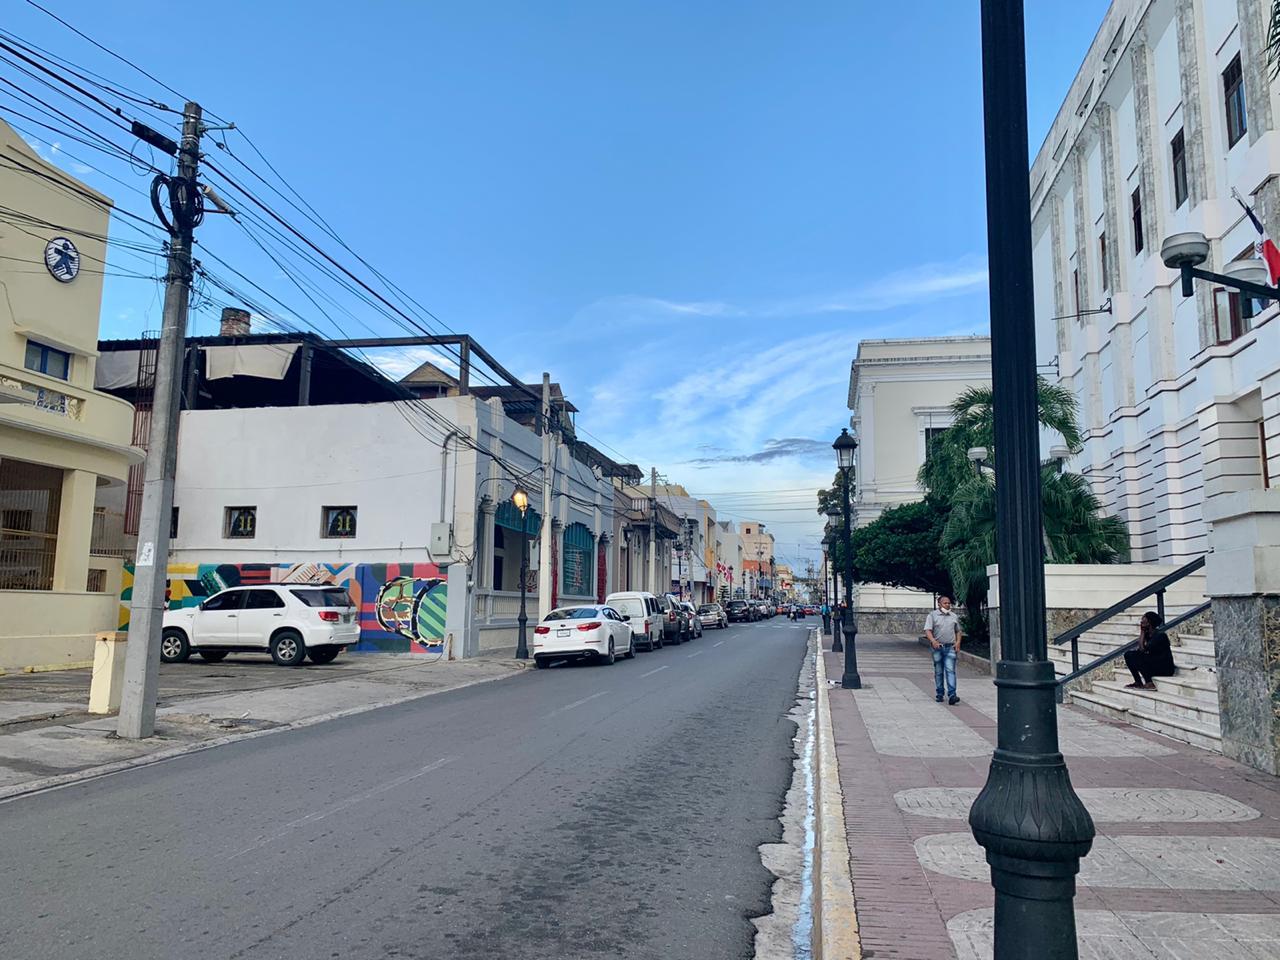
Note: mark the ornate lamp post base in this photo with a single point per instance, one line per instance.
(851, 680)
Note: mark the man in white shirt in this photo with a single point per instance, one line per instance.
(942, 629)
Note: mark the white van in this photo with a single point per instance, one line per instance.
(644, 612)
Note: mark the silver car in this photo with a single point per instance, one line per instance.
(692, 619)
(713, 615)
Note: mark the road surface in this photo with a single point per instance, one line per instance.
(582, 811)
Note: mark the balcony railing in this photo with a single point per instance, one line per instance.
(41, 397)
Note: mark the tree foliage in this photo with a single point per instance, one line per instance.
(832, 496)
(900, 548)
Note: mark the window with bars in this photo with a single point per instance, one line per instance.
(1135, 201)
(1233, 95)
(339, 523)
(576, 562)
(31, 495)
(1178, 152)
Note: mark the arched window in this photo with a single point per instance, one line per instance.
(509, 517)
(578, 560)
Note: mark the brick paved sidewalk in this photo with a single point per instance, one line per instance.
(1187, 860)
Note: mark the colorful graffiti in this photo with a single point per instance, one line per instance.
(401, 605)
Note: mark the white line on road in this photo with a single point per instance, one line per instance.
(576, 703)
(319, 815)
(652, 672)
(698, 654)
(717, 643)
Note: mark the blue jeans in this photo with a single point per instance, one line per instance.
(944, 666)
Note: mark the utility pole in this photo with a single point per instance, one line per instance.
(653, 531)
(545, 573)
(151, 564)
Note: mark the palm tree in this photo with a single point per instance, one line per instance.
(1273, 40)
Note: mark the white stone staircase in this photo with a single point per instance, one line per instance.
(1183, 707)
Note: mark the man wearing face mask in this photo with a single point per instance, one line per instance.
(942, 629)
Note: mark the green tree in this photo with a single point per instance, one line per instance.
(901, 548)
(833, 496)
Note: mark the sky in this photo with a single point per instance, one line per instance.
(689, 214)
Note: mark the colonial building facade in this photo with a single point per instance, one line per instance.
(1172, 112)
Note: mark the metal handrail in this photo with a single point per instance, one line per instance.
(1119, 651)
(1157, 589)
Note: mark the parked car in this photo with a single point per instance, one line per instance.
(673, 628)
(600, 633)
(713, 615)
(644, 613)
(739, 611)
(289, 621)
(693, 621)
(763, 609)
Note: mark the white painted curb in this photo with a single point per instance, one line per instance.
(835, 917)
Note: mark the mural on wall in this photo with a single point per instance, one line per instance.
(401, 605)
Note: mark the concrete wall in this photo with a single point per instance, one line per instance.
(47, 628)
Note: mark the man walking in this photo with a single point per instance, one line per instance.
(942, 629)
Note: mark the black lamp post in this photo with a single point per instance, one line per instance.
(834, 515)
(521, 499)
(845, 446)
(1033, 826)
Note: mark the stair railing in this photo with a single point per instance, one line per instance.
(1156, 589)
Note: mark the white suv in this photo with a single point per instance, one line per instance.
(290, 621)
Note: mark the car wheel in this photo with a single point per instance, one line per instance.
(213, 656)
(287, 648)
(662, 642)
(608, 658)
(541, 663)
(174, 647)
(631, 649)
(324, 654)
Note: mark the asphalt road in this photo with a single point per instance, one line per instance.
(582, 811)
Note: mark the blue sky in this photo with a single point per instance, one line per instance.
(689, 213)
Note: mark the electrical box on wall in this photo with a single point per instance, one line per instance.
(441, 539)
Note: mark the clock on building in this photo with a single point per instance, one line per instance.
(62, 258)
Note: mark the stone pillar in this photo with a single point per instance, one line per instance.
(485, 545)
(75, 530)
(1243, 579)
(460, 640)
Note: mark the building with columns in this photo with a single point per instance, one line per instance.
(63, 444)
(1173, 110)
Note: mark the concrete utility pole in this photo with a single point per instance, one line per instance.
(653, 531)
(545, 573)
(151, 564)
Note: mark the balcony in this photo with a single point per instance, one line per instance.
(34, 401)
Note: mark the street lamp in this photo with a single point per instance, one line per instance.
(1031, 823)
(834, 516)
(1186, 251)
(845, 446)
(521, 500)
(978, 457)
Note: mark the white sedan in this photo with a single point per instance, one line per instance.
(598, 632)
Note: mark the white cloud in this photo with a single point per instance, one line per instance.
(397, 362)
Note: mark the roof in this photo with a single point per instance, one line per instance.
(529, 394)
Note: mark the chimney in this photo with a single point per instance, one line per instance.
(235, 322)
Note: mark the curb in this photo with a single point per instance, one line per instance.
(160, 756)
(835, 916)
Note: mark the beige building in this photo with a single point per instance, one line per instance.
(62, 443)
(900, 392)
(757, 558)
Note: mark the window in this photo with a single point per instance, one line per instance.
(241, 523)
(262, 600)
(1136, 202)
(328, 597)
(573, 613)
(173, 524)
(227, 600)
(1262, 454)
(931, 436)
(339, 522)
(578, 563)
(1233, 314)
(1178, 148)
(47, 360)
(32, 498)
(1105, 272)
(1233, 94)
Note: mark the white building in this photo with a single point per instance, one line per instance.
(1172, 110)
(900, 392)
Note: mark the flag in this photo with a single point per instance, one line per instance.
(1265, 246)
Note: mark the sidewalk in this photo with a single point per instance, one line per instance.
(1186, 862)
(47, 737)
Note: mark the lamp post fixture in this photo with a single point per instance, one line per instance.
(1186, 251)
(978, 457)
(1031, 823)
(845, 446)
(521, 500)
(834, 515)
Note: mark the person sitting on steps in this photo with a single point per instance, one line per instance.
(1152, 657)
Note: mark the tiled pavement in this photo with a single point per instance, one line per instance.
(1187, 861)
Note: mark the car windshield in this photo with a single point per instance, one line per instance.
(327, 597)
(574, 613)
(707, 608)
(630, 607)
